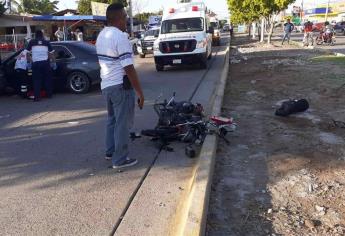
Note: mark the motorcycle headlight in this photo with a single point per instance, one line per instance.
(201, 43)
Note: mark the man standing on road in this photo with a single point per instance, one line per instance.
(288, 28)
(41, 52)
(119, 77)
(308, 34)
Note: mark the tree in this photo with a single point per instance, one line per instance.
(39, 7)
(248, 11)
(84, 6)
(2, 8)
(144, 17)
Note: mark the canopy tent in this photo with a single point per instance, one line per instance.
(68, 18)
(73, 19)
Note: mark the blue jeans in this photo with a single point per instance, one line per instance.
(286, 36)
(120, 106)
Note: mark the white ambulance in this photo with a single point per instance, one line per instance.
(185, 36)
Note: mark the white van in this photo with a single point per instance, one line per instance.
(214, 22)
(145, 44)
(185, 36)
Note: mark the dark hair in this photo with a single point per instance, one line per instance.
(39, 34)
(113, 10)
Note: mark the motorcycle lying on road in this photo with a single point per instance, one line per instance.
(325, 38)
(184, 122)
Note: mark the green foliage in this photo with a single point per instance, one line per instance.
(247, 11)
(144, 17)
(84, 6)
(2, 8)
(39, 7)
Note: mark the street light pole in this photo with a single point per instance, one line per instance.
(302, 11)
(327, 9)
(130, 13)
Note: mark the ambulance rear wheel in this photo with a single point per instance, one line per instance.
(159, 67)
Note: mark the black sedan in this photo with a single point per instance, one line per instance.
(77, 66)
(2, 81)
(340, 27)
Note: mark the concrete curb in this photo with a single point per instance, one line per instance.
(193, 211)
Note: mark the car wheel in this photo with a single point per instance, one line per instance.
(159, 67)
(142, 55)
(78, 82)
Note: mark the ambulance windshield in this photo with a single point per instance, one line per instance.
(182, 25)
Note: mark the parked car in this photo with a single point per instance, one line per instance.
(340, 27)
(299, 28)
(226, 27)
(77, 66)
(145, 44)
(134, 42)
(2, 79)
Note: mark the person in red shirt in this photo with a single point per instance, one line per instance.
(308, 34)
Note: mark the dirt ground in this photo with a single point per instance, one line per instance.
(281, 175)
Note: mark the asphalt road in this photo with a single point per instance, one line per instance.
(53, 178)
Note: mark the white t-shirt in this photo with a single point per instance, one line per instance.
(80, 36)
(114, 52)
(22, 60)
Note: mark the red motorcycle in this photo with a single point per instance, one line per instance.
(325, 38)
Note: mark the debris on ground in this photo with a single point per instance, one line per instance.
(280, 176)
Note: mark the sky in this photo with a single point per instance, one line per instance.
(218, 6)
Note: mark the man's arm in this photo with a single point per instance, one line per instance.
(133, 78)
(51, 55)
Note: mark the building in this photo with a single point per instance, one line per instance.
(336, 12)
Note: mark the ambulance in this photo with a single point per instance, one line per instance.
(185, 36)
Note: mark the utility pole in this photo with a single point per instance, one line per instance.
(327, 10)
(130, 13)
(302, 10)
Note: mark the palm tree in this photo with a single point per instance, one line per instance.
(39, 7)
(2, 8)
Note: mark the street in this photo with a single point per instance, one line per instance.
(53, 176)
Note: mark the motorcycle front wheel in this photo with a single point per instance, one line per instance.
(318, 40)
